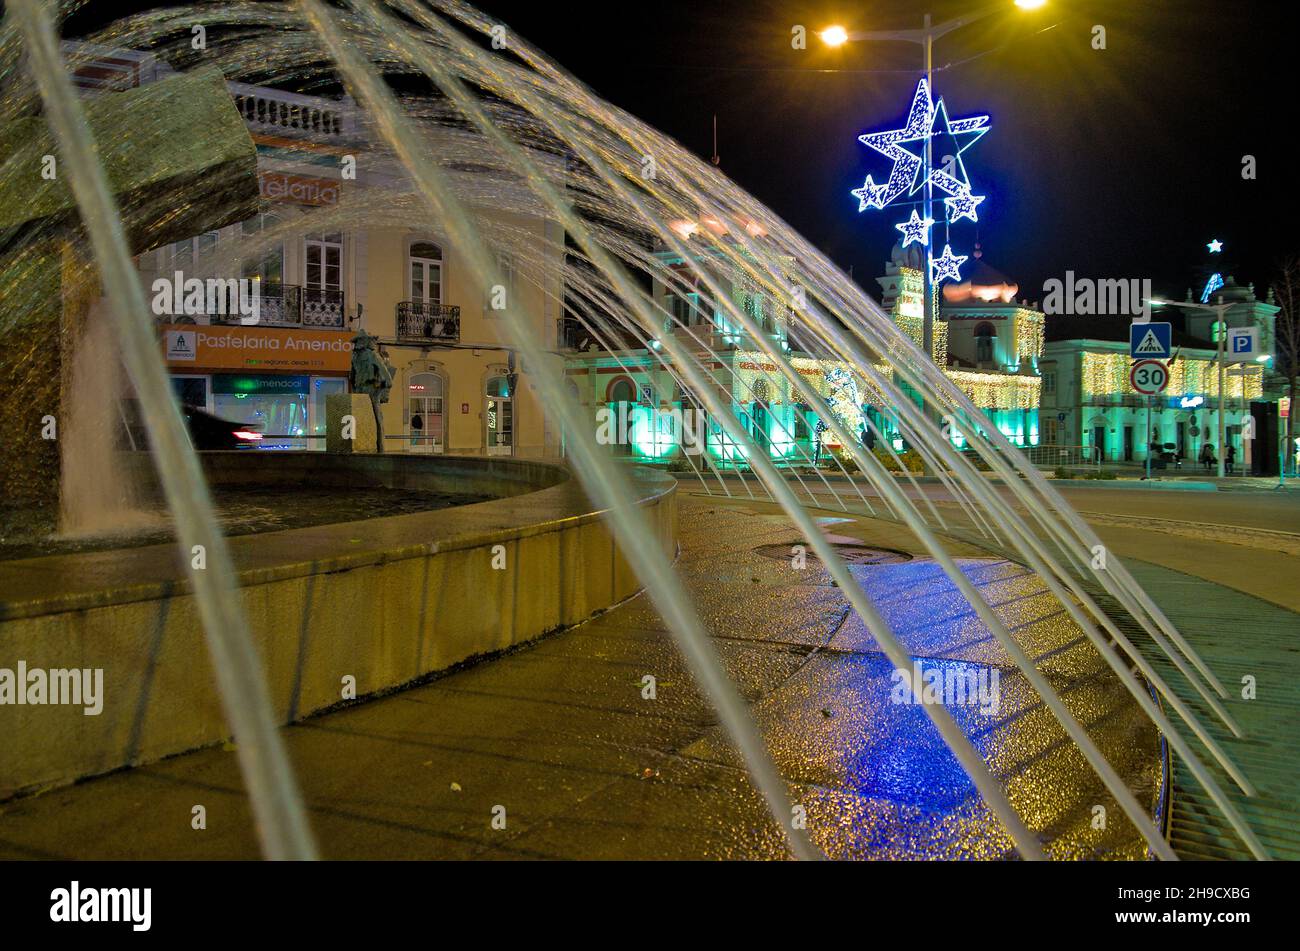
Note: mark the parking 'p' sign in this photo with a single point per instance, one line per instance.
(1242, 344)
(1149, 377)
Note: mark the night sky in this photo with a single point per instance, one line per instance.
(1119, 163)
(1115, 163)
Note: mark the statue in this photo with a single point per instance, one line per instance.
(371, 374)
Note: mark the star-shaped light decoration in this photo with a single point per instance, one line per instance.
(948, 140)
(962, 205)
(926, 120)
(1215, 246)
(906, 165)
(947, 266)
(916, 229)
(870, 195)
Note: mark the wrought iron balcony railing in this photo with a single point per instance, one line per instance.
(322, 307)
(422, 320)
(287, 305)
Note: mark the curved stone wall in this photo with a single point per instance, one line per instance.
(377, 603)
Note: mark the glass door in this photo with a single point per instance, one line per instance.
(321, 387)
(425, 418)
(498, 417)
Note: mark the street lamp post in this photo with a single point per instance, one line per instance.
(1220, 319)
(836, 35)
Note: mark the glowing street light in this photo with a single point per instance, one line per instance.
(1031, 4)
(834, 36)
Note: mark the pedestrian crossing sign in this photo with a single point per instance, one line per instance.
(1150, 341)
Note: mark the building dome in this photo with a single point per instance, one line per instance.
(983, 285)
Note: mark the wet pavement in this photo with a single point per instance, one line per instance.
(561, 740)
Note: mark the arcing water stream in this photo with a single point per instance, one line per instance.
(498, 125)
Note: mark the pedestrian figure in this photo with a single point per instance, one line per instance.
(1231, 458)
(820, 428)
(1207, 456)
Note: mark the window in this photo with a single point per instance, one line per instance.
(269, 266)
(186, 254)
(684, 309)
(506, 270)
(985, 334)
(424, 264)
(325, 261)
(1049, 382)
(622, 391)
(801, 421)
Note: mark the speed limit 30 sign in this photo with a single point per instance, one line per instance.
(1149, 377)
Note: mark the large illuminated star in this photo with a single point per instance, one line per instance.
(949, 139)
(947, 266)
(917, 127)
(1215, 246)
(962, 204)
(916, 229)
(926, 121)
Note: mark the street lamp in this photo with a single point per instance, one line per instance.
(834, 36)
(838, 36)
(1220, 310)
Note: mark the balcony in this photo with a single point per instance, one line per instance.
(572, 335)
(275, 110)
(287, 305)
(322, 307)
(419, 320)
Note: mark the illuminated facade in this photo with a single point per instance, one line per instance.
(630, 385)
(1088, 402)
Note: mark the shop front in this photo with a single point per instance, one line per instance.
(274, 381)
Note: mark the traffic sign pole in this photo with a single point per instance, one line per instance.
(1150, 441)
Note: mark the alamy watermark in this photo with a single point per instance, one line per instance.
(1087, 297)
(59, 686)
(686, 428)
(74, 904)
(212, 297)
(952, 685)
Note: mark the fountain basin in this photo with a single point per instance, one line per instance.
(384, 601)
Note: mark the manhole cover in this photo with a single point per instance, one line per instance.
(852, 554)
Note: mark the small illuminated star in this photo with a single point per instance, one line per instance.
(916, 229)
(947, 266)
(962, 205)
(870, 195)
(1215, 246)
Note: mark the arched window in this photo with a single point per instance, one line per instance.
(427, 421)
(621, 390)
(985, 334)
(424, 267)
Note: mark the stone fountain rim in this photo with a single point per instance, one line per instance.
(88, 580)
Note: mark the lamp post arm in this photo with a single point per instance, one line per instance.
(919, 36)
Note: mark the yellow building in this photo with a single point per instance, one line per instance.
(343, 243)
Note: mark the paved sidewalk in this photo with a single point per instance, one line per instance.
(1238, 637)
(561, 736)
